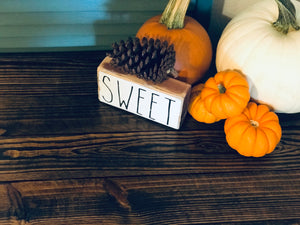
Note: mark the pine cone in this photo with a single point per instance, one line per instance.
(148, 59)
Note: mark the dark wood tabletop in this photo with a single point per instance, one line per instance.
(66, 158)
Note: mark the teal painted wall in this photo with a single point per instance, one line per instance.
(43, 25)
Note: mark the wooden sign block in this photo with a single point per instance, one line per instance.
(165, 103)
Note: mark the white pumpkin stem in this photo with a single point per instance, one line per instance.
(174, 14)
(287, 17)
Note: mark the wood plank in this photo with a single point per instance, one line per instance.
(79, 5)
(38, 42)
(61, 162)
(45, 43)
(143, 153)
(156, 199)
(75, 18)
(55, 31)
(77, 23)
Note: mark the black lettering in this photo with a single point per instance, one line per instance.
(123, 102)
(151, 103)
(111, 94)
(169, 109)
(138, 100)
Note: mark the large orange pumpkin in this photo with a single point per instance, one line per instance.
(191, 41)
(256, 132)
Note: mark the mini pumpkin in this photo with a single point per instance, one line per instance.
(196, 106)
(226, 94)
(256, 132)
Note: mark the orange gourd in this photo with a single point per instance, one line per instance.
(191, 42)
(256, 132)
(196, 106)
(226, 94)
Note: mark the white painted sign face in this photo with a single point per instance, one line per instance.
(140, 99)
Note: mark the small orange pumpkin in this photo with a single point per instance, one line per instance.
(196, 106)
(256, 132)
(226, 94)
(191, 41)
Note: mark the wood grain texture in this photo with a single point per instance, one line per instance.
(66, 158)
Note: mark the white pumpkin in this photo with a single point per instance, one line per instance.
(269, 59)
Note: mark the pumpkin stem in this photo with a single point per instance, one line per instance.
(254, 123)
(287, 17)
(221, 88)
(174, 14)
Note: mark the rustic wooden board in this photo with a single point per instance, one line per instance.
(62, 162)
(159, 199)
